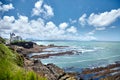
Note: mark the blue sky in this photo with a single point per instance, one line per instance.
(61, 19)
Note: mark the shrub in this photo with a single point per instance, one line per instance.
(2, 40)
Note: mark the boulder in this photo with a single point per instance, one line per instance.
(51, 71)
(55, 70)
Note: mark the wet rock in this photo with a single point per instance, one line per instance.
(51, 45)
(37, 62)
(50, 71)
(112, 71)
(44, 71)
(55, 70)
(56, 54)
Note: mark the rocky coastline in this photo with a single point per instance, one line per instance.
(53, 72)
(50, 71)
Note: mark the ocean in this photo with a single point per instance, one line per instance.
(90, 54)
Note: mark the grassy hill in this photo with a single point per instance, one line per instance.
(11, 66)
(2, 40)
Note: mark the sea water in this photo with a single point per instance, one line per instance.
(89, 54)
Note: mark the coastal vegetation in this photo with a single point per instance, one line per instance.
(17, 41)
(12, 65)
(2, 40)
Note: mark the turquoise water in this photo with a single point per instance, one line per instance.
(93, 54)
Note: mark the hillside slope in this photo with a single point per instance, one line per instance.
(11, 66)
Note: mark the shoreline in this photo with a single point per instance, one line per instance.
(50, 71)
(86, 71)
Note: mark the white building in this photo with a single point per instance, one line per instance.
(15, 38)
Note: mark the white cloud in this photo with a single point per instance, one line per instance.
(100, 21)
(113, 27)
(72, 29)
(23, 18)
(63, 25)
(72, 21)
(91, 32)
(6, 23)
(41, 9)
(48, 11)
(37, 10)
(6, 7)
(38, 4)
(104, 19)
(82, 19)
(8, 19)
(39, 29)
(34, 28)
(100, 28)
(96, 29)
(50, 25)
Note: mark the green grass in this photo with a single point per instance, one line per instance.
(11, 66)
(2, 40)
(16, 41)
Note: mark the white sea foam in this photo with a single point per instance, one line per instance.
(76, 50)
(88, 50)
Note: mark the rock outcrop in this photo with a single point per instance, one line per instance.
(51, 71)
(24, 44)
(110, 72)
(56, 54)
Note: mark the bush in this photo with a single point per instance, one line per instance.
(2, 40)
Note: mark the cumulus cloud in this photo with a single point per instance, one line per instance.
(72, 29)
(38, 8)
(41, 9)
(100, 21)
(8, 19)
(82, 19)
(6, 23)
(5, 7)
(39, 29)
(72, 21)
(63, 25)
(35, 28)
(104, 19)
(48, 11)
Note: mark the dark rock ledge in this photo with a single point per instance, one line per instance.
(51, 71)
(56, 54)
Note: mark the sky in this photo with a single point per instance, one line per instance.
(83, 20)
